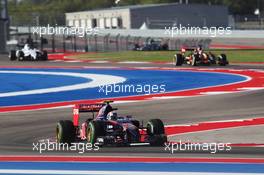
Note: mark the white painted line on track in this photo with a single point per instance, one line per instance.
(97, 80)
(251, 88)
(61, 107)
(125, 101)
(99, 62)
(217, 92)
(213, 121)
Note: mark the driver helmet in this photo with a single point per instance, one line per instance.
(26, 46)
(199, 49)
(183, 50)
(112, 116)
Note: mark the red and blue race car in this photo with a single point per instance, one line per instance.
(107, 128)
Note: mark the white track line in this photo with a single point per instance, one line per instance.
(251, 88)
(99, 62)
(97, 80)
(217, 92)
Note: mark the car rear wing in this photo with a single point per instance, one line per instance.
(81, 108)
(89, 107)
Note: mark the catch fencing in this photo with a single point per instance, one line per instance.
(103, 42)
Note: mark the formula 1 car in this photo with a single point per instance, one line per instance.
(152, 45)
(28, 53)
(199, 57)
(109, 129)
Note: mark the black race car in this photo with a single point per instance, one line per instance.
(199, 57)
(109, 129)
(152, 45)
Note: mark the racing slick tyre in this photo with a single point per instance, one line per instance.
(158, 140)
(39, 57)
(222, 60)
(155, 127)
(194, 60)
(45, 55)
(178, 59)
(12, 55)
(135, 123)
(156, 132)
(212, 58)
(65, 132)
(95, 129)
(20, 56)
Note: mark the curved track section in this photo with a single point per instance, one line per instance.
(20, 129)
(41, 86)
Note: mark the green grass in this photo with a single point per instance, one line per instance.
(232, 55)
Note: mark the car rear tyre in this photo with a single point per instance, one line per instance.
(95, 129)
(178, 60)
(222, 60)
(20, 56)
(45, 55)
(12, 55)
(65, 132)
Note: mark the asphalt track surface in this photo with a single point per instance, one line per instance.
(20, 129)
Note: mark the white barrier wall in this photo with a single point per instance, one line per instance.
(258, 34)
(164, 33)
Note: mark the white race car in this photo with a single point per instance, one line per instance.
(28, 53)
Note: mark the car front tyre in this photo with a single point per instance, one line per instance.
(194, 60)
(95, 129)
(20, 56)
(156, 132)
